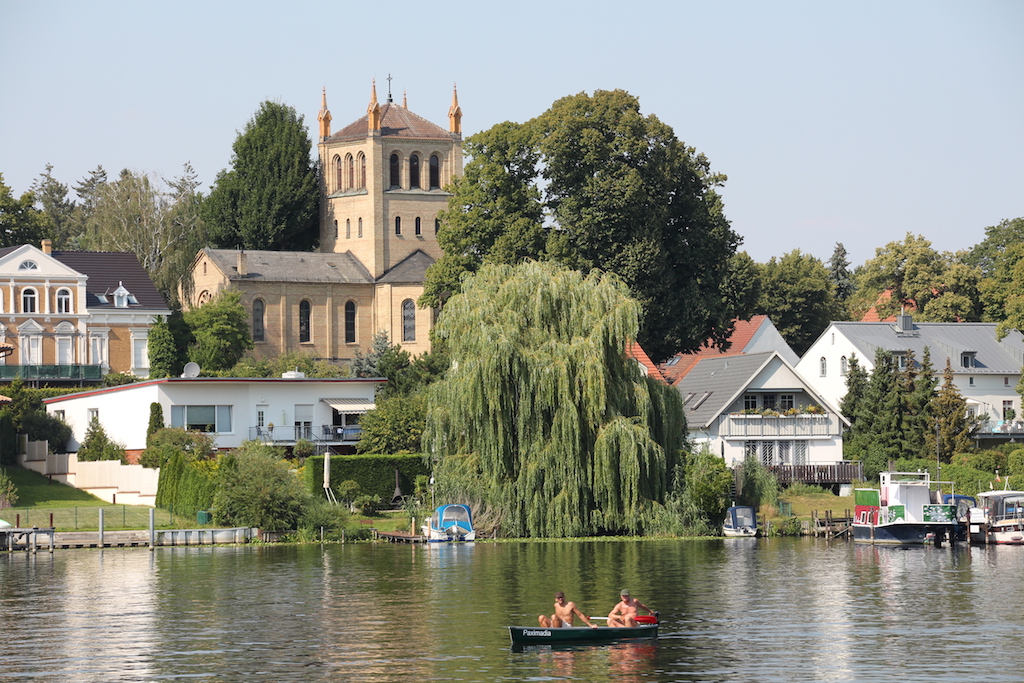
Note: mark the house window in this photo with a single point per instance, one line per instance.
(799, 452)
(210, 419)
(28, 265)
(64, 301)
(749, 401)
(396, 168)
(350, 322)
(901, 361)
(435, 172)
(823, 366)
(769, 401)
(140, 351)
(94, 414)
(967, 360)
(768, 453)
(414, 171)
(408, 321)
(419, 229)
(750, 450)
(786, 401)
(844, 366)
(398, 225)
(1007, 407)
(1006, 381)
(258, 311)
(28, 300)
(304, 331)
(785, 455)
(970, 381)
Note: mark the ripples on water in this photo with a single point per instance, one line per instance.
(732, 610)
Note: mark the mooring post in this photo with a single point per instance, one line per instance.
(152, 528)
(101, 527)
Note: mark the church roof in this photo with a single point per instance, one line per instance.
(410, 270)
(291, 266)
(395, 121)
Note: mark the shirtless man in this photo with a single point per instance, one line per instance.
(565, 612)
(623, 615)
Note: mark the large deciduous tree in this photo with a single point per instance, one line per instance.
(20, 221)
(221, 331)
(593, 183)
(269, 198)
(799, 297)
(561, 433)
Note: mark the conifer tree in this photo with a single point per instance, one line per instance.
(955, 428)
(919, 420)
(851, 406)
(880, 416)
(562, 434)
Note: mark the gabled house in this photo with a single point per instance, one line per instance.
(748, 336)
(985, 370)
(73, 316)
(758, 406)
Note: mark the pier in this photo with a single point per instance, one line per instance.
(399, 537)
(831, 527)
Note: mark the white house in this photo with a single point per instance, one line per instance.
(233, 410)
(985, 370)
(757, 406)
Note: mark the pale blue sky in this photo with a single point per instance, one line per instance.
(835, 121)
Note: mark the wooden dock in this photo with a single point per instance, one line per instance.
(830, 526)
(400, 537)
(25, 538)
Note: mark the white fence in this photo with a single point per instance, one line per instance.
(108, 480)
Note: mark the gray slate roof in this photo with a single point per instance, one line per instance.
(107, 270)
(410, 270)
(724, 377)
(945, 340)
(291, 266)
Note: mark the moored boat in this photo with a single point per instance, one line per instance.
(740, 520)
(904, 510)
(451, 522)
(647, 627)
(998, 518)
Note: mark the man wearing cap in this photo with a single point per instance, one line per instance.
(564, 614)
(623, 615)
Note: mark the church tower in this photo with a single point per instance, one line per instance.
(382, 183)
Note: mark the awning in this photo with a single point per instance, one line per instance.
(350, 405)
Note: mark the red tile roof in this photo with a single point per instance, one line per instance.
(395, 121)
(676, 367)
(635, 351)
(871, 316)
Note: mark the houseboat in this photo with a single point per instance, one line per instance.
(998, 518)
(904, 510)
(450, 523)
(740, 521)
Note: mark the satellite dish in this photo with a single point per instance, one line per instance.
(191, 370)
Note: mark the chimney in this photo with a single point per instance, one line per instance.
(47, 246)
(241, 263)
(905, 323)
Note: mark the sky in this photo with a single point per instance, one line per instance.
(853, 122)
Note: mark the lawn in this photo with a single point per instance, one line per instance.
(35, 490)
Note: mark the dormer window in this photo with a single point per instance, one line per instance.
(122, 297)
(967, 359)
(28, 265)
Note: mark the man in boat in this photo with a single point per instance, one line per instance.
(565, 612)
(623, 615)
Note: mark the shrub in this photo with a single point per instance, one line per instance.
(367, 505)
(163, 443)
(321, 513)
(257, 489)
(1015, 461)
(98, 446)
(302, 449)
(156, 420)
(8, 491)
(800, 488)
(375, 474)
(41, 426)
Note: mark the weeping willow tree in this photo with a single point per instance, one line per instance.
(563, 432)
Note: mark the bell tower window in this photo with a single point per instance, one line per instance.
(396, 171)
(435, 172)
(414, 171)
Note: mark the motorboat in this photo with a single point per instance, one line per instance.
(904, 510)
(740, 521)
(452, 522)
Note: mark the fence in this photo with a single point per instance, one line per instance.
(88, 518)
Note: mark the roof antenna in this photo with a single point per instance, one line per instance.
(389, 87)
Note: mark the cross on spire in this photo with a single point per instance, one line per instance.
(389, 87)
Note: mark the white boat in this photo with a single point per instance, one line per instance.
(904, 510)
(451, 522)
(998, 518)
(740, 521)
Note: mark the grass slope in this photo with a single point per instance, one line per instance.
(37, 491)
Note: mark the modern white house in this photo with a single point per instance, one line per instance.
(985, 370)
(232, 410)
(757, 406)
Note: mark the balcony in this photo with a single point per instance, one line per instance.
(1000, 428)
(75, 373)
(325, 434)
(736, 425)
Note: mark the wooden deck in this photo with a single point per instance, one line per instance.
(821, 475)
(830, 526)
(400, 537)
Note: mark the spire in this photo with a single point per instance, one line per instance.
(373, 111)
(324, 117)
(455, 113)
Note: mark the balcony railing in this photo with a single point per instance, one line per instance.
(64, 372)
(803, 425)
(1001, 428)
(823, 475)
(318, 434)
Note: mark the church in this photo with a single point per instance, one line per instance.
(381, 193)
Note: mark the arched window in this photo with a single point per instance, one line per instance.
(28, 300)
(64, 301)
(351, 172)
(408, 321)
(396, 168)
(258, 310)
(824, 366)
(437, 225)
(362, 171)
(360, 233)
(335, 229)
(304, 332)
(398, 225)
(414, 171)
(348, 228)
(338, 177)
(350, 322)
(844, 366)
(419, 229)
(435, 172)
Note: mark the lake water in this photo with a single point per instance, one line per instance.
(732, 610)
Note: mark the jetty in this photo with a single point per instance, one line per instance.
(830, 526)
(399, 536)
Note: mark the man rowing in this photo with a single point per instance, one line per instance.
(565, 612)
(623, 615)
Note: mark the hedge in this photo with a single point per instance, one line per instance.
(375, 474)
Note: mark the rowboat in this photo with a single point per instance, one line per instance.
(904, 510)
(647, 627)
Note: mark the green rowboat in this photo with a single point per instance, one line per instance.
(578, 635)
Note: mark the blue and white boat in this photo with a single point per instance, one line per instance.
(451, 522)
(740, 520)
